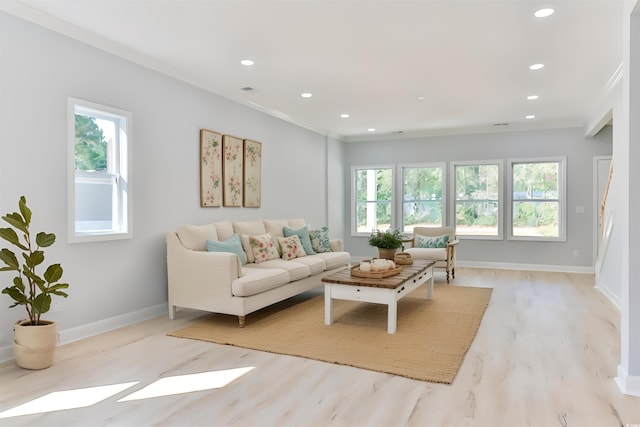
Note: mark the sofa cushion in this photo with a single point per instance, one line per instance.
(263, 248)
(291, 247)
(320, 240)
(194, 237)
(315, 263)
(231, 245)
(257, 280)
(246, 229)
(432, 242)
(303, 234)
(431, 254)
(224, 229)
(276, 228)
(295, 269)
(335, 259)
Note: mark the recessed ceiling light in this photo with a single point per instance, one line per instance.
(543, 13)
(421, 98)
(536, 66)
(532, 97)
(371, 129)
(344, 115)
(306, 95)
(247, 62)
(530, 116)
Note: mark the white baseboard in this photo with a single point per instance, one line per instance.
(514, 266)
(527, 267)
(70, 335)
(613, 298)
(628, 384)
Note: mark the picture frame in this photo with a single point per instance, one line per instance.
(232, 170)
(252, 174)
(210, 168)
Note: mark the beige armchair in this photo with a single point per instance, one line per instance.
(443, 254)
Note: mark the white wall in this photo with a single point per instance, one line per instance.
(39, 69)
(505, 145)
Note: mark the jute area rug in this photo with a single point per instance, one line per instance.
(430, 343)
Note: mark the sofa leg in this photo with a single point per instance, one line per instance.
(447, 276)
(453, 273)
(172, 311)
(241, 321)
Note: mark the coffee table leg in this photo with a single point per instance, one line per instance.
(328, 305)
(392, 316)
(430, 285)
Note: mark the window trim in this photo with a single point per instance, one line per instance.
(452, 200)
(125, 194)
(562, 199)
(400, 190)
(354, 201)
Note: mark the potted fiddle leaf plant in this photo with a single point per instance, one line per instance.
(35, 338)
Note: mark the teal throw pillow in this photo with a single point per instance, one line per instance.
(320, 240)
(232, 245)
(432, 242)
(303, 234)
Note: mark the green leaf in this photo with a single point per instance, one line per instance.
(57, 287)
(34, 259)
(60, 293)
(10, 260)
(10, 235)
(15, 219)
(26, 212)
(45, 239)
(17, 296)
(18, 283)
(53, 273)
(41, 304)
(34, 277)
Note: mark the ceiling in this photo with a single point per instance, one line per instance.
(400, 67)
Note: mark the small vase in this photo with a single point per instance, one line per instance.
(34, 346)
(387, 253)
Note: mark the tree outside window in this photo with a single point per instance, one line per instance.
(422, 204)
(536, 201)
(477, 199)
(374, 197)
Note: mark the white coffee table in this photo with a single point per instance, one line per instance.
(388, 290)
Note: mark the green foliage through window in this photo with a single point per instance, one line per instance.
(90, 145)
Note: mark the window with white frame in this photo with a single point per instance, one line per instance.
(422, 196)
(372, 189)
(478, 199)
(537, 192)
(99, 171)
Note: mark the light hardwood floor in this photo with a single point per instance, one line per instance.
(545, 355)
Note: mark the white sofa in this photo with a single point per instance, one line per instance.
(218, 281)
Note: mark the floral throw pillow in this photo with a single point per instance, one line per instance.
(291, 247)
(262, 248)
(432, 242)
(320, 240)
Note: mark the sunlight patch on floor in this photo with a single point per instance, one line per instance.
(187, 383)
(69, 399)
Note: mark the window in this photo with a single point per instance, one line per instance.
(373, 195)
(99, 187)
(537, 199)
(422, 201)
(478, 199)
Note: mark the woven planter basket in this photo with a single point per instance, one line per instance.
(34, 346)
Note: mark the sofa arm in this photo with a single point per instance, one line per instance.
(198, 275)
(337, 245)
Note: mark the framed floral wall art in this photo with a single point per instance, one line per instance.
(252, 173)
(232, 162)
(210, 168)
